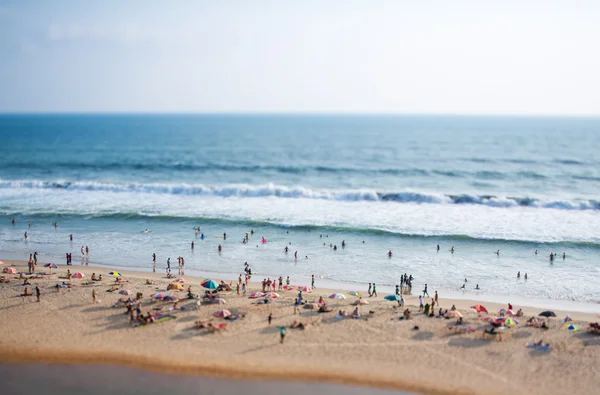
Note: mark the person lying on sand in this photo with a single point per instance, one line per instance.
(113, 289)
(299, 325)
(201, 324)
(26, 282)
(148, 282)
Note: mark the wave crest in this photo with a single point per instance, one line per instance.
(299, 192)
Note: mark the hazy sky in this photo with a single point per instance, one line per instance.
(450, 56)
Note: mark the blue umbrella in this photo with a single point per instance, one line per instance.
(393, 298)
(51, 266)
(210, 284)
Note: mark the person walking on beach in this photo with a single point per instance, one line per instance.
(37, 293)
(420, 303)
(312, 281)
(244, 288)
(287, 280)
(397, 290)
(154, 257)
(281, 334)
(435, 298)
(169, 266)
(374, 290)
(95, 296)
(425, 291)
(370, 289)
(35, 258)
(270, 318)
(30, 263)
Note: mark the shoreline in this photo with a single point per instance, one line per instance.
(578, 310)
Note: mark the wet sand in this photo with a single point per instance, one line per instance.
(57, 379)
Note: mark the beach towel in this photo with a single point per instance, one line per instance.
(537, 347)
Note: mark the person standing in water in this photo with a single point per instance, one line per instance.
(425, 291)
(224, 236)
(438, 247)
(192, 244)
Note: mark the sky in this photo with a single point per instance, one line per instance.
(406, 57)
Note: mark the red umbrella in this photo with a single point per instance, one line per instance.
(78, 275)
(479, 308)
(222, 313)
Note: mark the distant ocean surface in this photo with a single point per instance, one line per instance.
(405, 183)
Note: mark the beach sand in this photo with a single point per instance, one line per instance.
(375, 351)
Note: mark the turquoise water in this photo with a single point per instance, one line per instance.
(400, 183)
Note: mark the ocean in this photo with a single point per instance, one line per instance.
(378, 183)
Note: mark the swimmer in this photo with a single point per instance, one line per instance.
(536, 251)
(518, 274)
(71, 237)
(452, 250)
(477, 287)
(26, 236)
(296, 255)
(219, 248)
(146, 230)
(343, 243)
(463, 286)
(564, 256)
(438, 247)
(224, 236)
(286, 249)
(525, 276)
(389, 253)
(498, 252)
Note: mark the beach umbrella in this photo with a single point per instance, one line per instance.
(181, 280)
(355, 293)
(115, 274)
(219, 301)
(210, 284)
(337, 296)
(510, 322)
(572, 327)
(222, 313)
(255, 295)
(125, 292)
(304, 288)
(78, 275)
(360, 302)
(9, 270)
(479, 308)
(547, 314)
(392, 298)
(288, 287)
(273, 295)
(160, 295)
(51, 266)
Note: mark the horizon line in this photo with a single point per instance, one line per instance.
(275, 113)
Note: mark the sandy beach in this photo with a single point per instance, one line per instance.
(377, 350)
